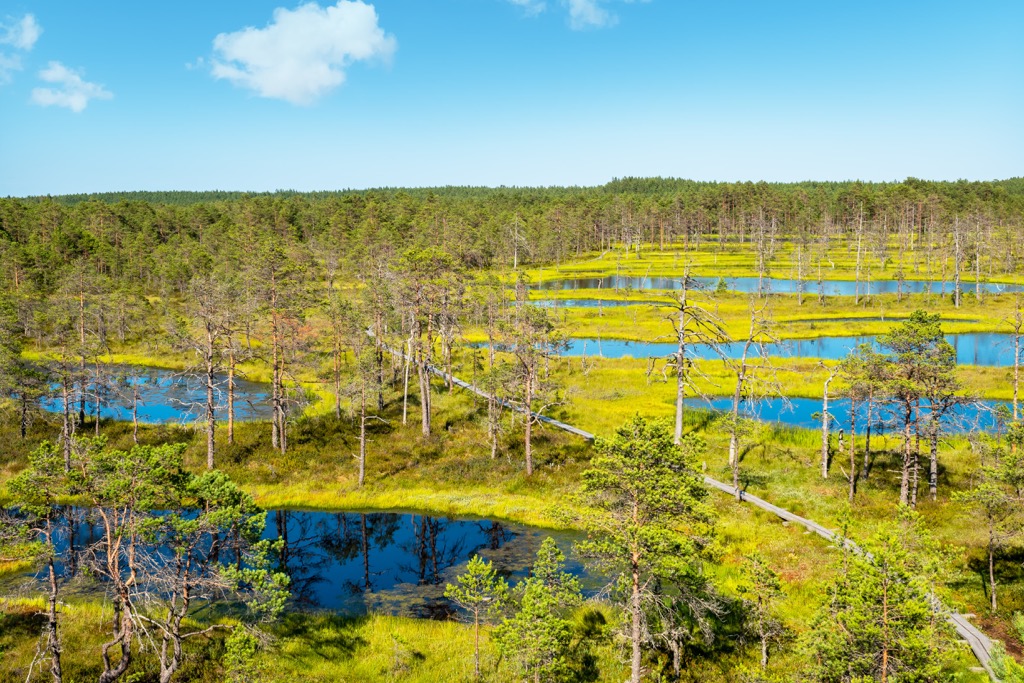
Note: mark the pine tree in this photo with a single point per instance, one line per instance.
(650, 521)
(481, 593)
(762, 591)
(879, 621)
(537, 638)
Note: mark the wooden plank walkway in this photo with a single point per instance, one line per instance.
(980, 644)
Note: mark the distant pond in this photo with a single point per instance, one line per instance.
(168, 396)
(806, 413)
(773, 285)
(353, 563)
(973, 348)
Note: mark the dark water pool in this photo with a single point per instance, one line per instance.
(353, 563)
(774, 285)
(974, 348)
(167, 396)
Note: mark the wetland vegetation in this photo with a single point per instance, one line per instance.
(307, 347)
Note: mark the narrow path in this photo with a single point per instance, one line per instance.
(980, 644)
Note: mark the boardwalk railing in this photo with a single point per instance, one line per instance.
(980, 644)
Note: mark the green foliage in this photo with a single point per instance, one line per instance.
(879, 620)
(536, 639)
(650, 526)
(762, 590)
(647, 501)
(241, 664)
(479, 590)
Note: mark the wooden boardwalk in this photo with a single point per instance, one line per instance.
(980, 644)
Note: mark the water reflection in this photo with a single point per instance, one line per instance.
(806, 413)
(973, 348)
(775, 285)
(166, 396)
(352, 563)
(394, 563)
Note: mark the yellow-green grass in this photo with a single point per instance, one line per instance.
(452, 473)
(711, 259)
(651, 321)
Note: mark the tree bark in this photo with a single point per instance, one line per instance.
(529, 422)
(907, 460)
(867, 434)
(52, 636)
(853, 449)
(825, 419)
(211, 421)
(362, 433)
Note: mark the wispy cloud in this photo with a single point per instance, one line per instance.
(530, 7)
(303, 53)
(21, 34)
(584, 14)
(71, 90)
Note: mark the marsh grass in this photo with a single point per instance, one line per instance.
(451, 473)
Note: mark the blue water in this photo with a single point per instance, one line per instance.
(406, 561)
(584, 303)
(168, 396)
(353, 563)
(800, 412)
(772, 285)
(974, 348)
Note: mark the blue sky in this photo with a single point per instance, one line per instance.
(159, 96)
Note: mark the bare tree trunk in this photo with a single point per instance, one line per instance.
(81, 368)
(957, 251)
(825, 420)
(933, 469)
(853, 450)
(231, 393)
(135, 415)
(907, 459)
(856, 281)
(1018, 325)
(992, 566)
(211, 421)
(529, 422)
(337, 379)
(378, 341)
(635, 608)
(23, 421)
(52, 636)
(734, 436)
(68, 429)
(681, 369)
(405, 390)
(362, 433)
(867, 434)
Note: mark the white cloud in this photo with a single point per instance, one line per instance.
(303, 53)
(584, 14)
(23, 34)
(72, 92)
(530, 7)
(8, 65)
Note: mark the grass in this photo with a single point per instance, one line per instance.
(451, 473)
(737, 259)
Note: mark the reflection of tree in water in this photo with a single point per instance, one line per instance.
(348, 536)
(431, 550)
(300, 555)
(497, 534)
